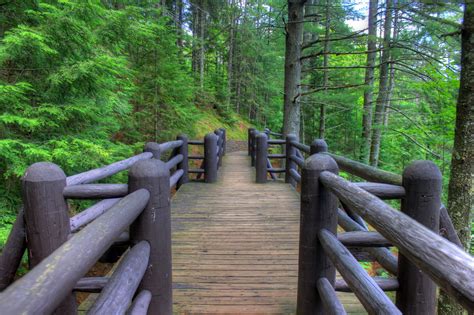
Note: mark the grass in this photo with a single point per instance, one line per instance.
(236, 127)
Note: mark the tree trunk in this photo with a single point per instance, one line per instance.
(202, 24)
(383, 88)
(369, 82)
(179, 25)
(230, 55)
(322, 106)
(294, 37)
(461, 186)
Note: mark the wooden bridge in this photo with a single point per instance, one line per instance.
(235, 239)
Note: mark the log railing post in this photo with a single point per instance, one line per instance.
(422, 181)
(210, 158)
(318, 146)
(249, 140)
(261, 158)
(183, 165)
(318, 211)
(224, 138)
(154, 226)
(220, 143)
(154, 148)
(46, 217)
(253, 135)
(289, 163)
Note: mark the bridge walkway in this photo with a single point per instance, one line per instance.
(235, 245)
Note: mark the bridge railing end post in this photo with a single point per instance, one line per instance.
(422, 181)
(210, 158)
(154, 226)
(318, 211)
(261, 158)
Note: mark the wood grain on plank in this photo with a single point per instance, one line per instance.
(235, 245)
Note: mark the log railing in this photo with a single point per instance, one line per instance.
(426, 260)
(61, 249)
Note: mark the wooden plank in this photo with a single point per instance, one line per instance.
(235, 245)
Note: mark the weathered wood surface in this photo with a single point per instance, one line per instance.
(106, 171)
(448, 265)
(42, 289)
(13, 251)
(120, 289)
(235, 245)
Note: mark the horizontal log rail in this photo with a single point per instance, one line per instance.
(414, 231)
(90, 214)
(196, 142)
(117, 294)
(277, 141)
(95, 191)
(386, 284)
(373, 298)
(140, 304)
(384, 184)
(174, 161)
(331, 303)
(170, 145)
(448, 265)
(58, 263)
(106, 171)
(42, 289)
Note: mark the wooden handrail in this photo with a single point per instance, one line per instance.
(106, 171)
(95, 191)
(117, 294)
(42, 289)
(90, 214)
(446, 263)
(374, 300)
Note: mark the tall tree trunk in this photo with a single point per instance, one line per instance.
(391, 76)
(179, 25)
(202, 52)
(383, 87)
(369, 82)
(230, 55)
(461, 185)
(322, 106)
(294, 37)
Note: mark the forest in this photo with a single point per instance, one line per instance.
(86, 83)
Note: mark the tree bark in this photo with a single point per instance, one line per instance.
(322, 106)
(382, 97)
(230, 55)
(369, 82)
(461, 186)
(292, 90)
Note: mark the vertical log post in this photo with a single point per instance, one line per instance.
(224, 143)
(154, 148)
(46, 217)
(289, 163)
(422, 181)
(183, 165)
(210, 158)
(261, 158)
(253, 135)
(154, 226)
(318, 211)
(249, 140)
(318, 146)
(220, 142)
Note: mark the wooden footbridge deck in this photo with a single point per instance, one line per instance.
(235, 242)
(235, 245)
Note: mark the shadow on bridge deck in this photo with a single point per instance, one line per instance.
(235, 245)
